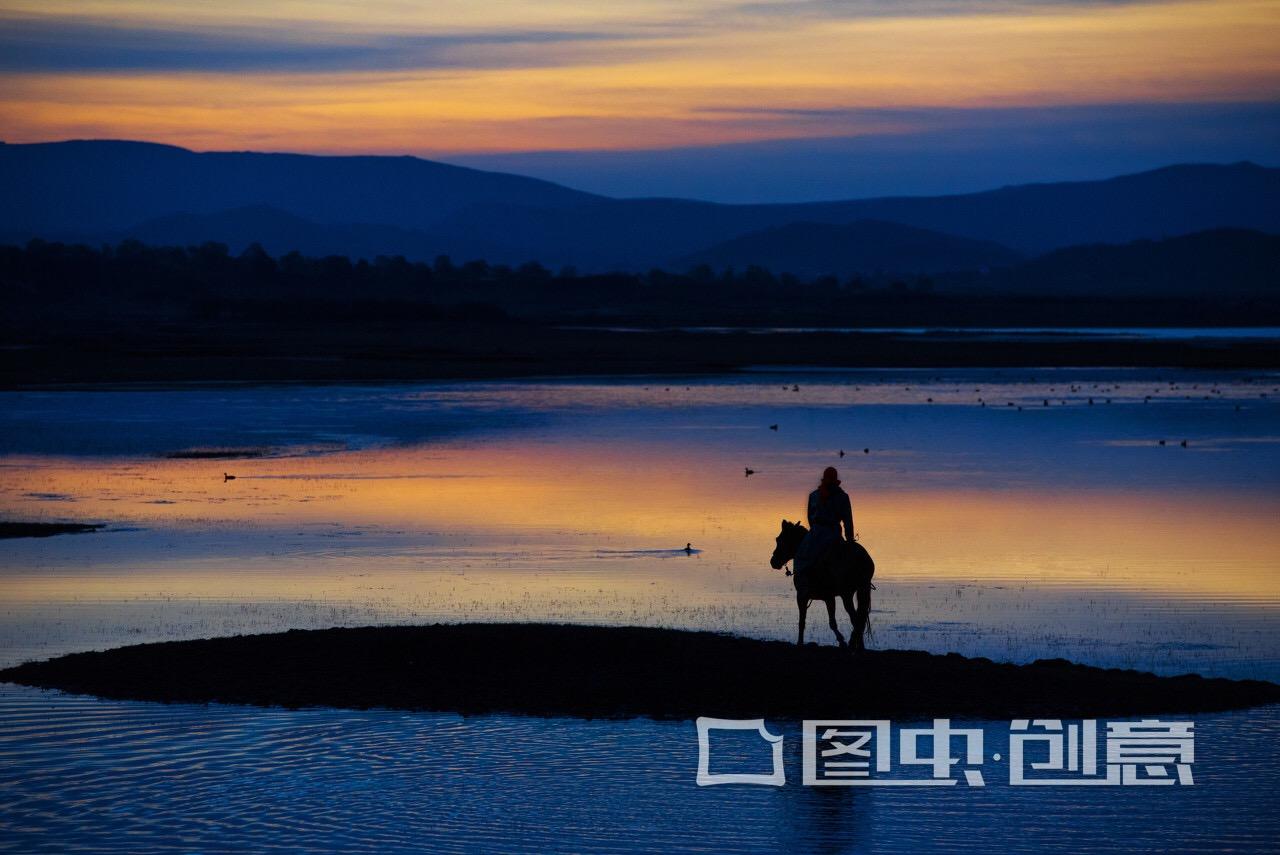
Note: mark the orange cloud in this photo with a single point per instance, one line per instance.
(461, 77)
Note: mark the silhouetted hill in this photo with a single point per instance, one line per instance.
(1206, 264)
(867, 246)
(1035, 218)
(95, 190)
(102, 185)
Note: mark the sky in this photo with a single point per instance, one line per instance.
(721, 99)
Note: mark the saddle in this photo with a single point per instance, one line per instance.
(840, 558)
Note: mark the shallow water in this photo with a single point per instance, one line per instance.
(1009, 517)
(97, 776)
(1011, 531)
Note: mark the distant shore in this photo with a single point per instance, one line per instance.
(366, 353)
(616, 672)
(10, 530)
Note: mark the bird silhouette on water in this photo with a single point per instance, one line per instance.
(226, 477)
(749, 471)
(773, 427)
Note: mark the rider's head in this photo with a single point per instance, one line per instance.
(830, 478)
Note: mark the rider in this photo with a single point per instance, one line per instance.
(829, 509)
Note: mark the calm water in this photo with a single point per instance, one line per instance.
(1009, 516)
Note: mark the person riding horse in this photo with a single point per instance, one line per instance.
(827, 564)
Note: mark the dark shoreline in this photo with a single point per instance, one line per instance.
(616, 672)
(395, 352)
(10, 530)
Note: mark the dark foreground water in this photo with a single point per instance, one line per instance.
(1016, 514)
(79, 774)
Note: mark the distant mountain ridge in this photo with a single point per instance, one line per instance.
(90, 185)
(1217, 262)
(360, 206)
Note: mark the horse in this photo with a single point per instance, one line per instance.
(846, 569)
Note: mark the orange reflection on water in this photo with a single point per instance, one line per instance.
(470, 504)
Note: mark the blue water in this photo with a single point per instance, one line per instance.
(1010, 517)
(82, 775)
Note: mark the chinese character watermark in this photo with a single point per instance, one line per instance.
(1042, 752)
(839, 753)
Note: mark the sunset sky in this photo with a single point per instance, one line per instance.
(804, 99)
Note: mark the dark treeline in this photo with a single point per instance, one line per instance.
(47, 283)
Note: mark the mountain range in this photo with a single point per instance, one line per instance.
(105, 191)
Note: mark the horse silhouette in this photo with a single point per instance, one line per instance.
(846, 569)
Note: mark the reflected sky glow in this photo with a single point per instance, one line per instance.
(997, 530)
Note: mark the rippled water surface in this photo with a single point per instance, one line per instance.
(1014, 514)
(98, 776)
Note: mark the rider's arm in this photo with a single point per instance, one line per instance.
(847, 518)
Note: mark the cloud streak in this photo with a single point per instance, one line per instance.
(476, 76)
(44, 45)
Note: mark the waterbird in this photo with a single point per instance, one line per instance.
(773, 427)
(866, 451)
(749, 471)
(226, 477)
(842, 450)
(1184, 443)
(1162, 442)
(688, 548)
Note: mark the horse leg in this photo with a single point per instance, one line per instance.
(860, 615)
(803, 605)
(831, 619)
(856, 639)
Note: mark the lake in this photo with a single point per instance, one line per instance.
(1014, 514)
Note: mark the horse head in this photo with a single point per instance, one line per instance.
(786, 544)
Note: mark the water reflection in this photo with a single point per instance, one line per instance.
(1038, 524)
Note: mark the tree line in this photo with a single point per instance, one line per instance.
(43, 279)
